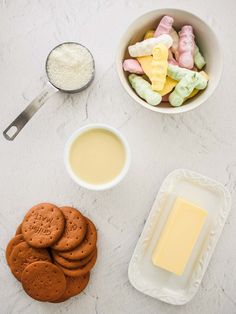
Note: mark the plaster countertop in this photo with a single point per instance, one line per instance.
(32, 170)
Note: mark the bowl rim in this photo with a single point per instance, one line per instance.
(97, 187)
(193, 104)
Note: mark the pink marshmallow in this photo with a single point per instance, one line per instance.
(132, 66)
(164, 26)
(186, 47)
(165, 98)
(171, 58)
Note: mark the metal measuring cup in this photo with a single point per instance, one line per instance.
(17, 125)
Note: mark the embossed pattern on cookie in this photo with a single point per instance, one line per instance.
(23, 255)
(86, 247)
(74, 232)
(43, 225)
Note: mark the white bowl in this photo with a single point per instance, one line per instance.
(97, 187)
(205, 39)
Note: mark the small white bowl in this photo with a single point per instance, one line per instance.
(97, 187)
(205, 38)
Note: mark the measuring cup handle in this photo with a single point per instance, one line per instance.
(17, 125)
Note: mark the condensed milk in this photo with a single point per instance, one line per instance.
(97, 156)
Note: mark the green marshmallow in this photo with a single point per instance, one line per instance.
(177, 73)
(201, 81)
(144, 90)
(199, 60)
(182, 90)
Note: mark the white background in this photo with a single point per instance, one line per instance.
(32, 170)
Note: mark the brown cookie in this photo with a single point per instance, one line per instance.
(13, 242)
(18, 230)
(71, 264)
(60, 300)
(43, 225)
(81, 270)
(86, 247)
(43, 281)
(23, 255)
(74, 232)
(74, 286)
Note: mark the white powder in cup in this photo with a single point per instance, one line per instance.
(70, 67)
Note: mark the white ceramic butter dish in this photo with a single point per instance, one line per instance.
(157, 282)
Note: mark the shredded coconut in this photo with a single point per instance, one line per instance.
(70, 66)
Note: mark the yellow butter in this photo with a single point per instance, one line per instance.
(149, 34)
(195, 91)
(179, 236)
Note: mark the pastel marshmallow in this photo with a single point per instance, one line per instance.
(165, 25)
(146, 64)
(159, 67)
(182, 90)
(168, 86)
(132, 66)
(149, 34)
(195, 91)
(144, 90)
(199, 60)
(171, 58)
(186, 47)
(175, 46)
(185, 87)
(145, 47)
(177, 73)
(165, 98)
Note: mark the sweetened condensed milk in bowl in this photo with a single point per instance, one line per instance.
(97, 157)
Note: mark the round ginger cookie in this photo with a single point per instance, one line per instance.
(18, 230)
(81, 270)
(86, 247)
(74, 286)
(74, 232)
(13, 242)
(22, 255)
(43, 281)
(72, 264)
(43, 225)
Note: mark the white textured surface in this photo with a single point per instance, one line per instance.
(32, 167)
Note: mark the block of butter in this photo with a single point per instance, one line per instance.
(179, 236)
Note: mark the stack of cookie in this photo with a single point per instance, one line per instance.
(53, 251)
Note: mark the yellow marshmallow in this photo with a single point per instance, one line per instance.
(168, 86)
(149, 34)
(204, 74)
(194, 92)
(146, 64)
(159, 67)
